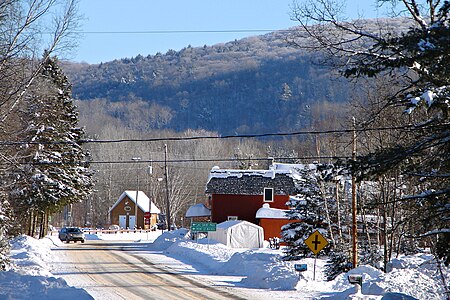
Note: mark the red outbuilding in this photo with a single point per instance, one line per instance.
(239, 194)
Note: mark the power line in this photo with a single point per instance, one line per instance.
(184, 31)
(166, 139)
(194, 160)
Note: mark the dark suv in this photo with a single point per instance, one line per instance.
(68, 234)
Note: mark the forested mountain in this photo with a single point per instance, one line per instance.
(254, 85)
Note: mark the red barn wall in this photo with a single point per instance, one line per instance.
(242, 206)
(272, 227)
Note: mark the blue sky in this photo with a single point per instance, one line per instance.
(109, 25)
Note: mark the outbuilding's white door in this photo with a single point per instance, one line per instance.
(122, 221)
(132, 222)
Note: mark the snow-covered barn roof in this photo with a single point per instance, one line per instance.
(281, 177)
(198, 210)
(142, 201)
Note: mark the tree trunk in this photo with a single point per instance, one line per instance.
(30, 224)
(341, 239)
(33, 224)
(41, 225)
(327, 212)
(385, 233)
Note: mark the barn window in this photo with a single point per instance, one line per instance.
(268, 194)
(232, 218)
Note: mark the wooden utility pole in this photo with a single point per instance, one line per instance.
(167, 188)
(354, 205)
(136, 159)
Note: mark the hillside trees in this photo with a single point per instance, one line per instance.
(384, 200)
(235, 90)
(115, 172)
(52, 169)
(418, 61)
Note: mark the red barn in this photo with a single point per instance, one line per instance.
(239, 194)
(272, 219)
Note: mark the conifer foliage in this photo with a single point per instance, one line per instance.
(5, 228)
(418, 61)
(52, 172)
(308, 207)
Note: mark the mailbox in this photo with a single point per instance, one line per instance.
(301, 267)
(355, 279)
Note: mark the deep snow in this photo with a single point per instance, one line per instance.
(259, 273)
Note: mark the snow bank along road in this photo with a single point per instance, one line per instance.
(114, 270)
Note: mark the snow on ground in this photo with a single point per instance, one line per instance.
(30, 277)
(259, 273)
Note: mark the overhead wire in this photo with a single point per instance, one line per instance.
(192, 138)
(184, 31)
(191, 160)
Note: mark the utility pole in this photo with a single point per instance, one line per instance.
(167, 188)
(136, 159)
(150, 198)
(354, 205)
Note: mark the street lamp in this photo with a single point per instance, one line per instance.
(136, 159)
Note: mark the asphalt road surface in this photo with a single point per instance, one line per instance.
(115, 270)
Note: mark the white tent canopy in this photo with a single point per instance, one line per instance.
(238, 234)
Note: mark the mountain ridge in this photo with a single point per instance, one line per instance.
(254, 85)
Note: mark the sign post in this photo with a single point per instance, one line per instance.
(203, 227)
(315, 243)
(300, 268)
(147, 222)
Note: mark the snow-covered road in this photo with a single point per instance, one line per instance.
(41, 270)
(116, 270)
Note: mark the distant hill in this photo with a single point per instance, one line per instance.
(254, 85)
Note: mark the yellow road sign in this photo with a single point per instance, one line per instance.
(316, 242)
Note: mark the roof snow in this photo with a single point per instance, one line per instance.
(274, 169)
(231, 223)
(266, 212)
(281, 177)
(198, 210)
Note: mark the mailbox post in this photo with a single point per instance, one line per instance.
(356, 279)
(300, 268)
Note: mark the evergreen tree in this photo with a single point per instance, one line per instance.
(53, 172)
(418, 61)
(308, 208)
(5, 228)
(338, 262)
(286, 92)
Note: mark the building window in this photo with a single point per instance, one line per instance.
(232, 218)
(268, 194)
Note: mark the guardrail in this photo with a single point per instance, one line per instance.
(109, 231)
(115, 231)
